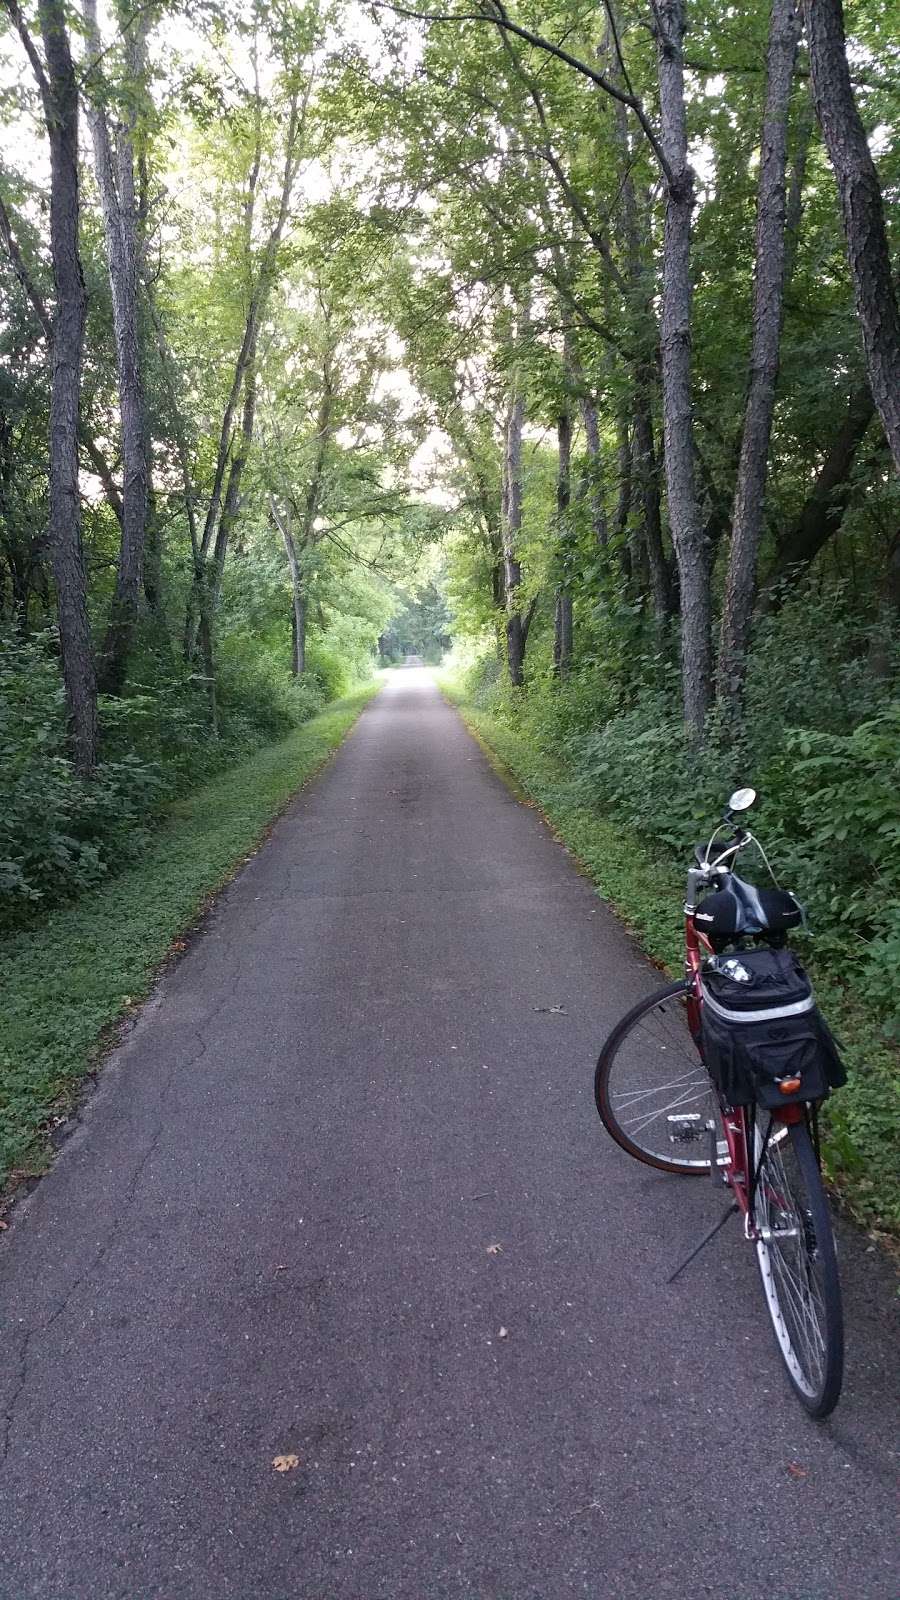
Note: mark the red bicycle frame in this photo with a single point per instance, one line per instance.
(738, 1170)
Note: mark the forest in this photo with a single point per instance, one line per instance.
(557, 345)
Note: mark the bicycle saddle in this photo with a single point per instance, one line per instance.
(741, 907)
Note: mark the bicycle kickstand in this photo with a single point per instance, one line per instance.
(705, 1241)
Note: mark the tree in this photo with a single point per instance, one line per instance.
(55, 77)
(861, 209)
(114, 164)
(768, 293)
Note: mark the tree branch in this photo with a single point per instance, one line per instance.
(496, 13)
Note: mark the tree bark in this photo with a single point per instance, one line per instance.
(59, 95)
(511, 527)
(768, 302)
(646, 552)
(624, 471)
(594, 485)
(298, 599)
(233, 496)
(562, 632)
(861, 208)
(115, 170)
(678, 429)
(647, 469)
(36, 299)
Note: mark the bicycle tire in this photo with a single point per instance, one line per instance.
(633, 1070)
(800, 1279)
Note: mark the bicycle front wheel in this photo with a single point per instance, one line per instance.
(798, 1265)
(652, 1090)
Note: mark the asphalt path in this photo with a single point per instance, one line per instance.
(342, 1195)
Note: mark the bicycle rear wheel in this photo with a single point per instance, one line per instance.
(798, 1266)
(652, 1090)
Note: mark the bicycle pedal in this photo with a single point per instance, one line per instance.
(687, 1128)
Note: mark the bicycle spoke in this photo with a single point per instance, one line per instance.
(799, 1270)
(649, 1076)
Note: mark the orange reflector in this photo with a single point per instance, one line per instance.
(789, 1085)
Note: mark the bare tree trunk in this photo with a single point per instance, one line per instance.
(511, 527)
(768, 301)
(217, 513)
(624, 464)
(96, 459)
(648, 473)
(861, 207)
(599, 524)
(794, 213)
(298, 600)
(233, 496)
(643, 334)
(562, 633)
(59, 95)
(678, 426)
(115, 169)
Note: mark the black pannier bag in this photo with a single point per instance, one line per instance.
(764, 1039)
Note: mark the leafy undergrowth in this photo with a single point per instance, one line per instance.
(645, 885)
(67, 981)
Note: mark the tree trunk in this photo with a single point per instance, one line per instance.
(116, 182)
(232, 505)
(59, 92)
(594, 486)
(646, 551)
(794, 213)
(212, 537)
(511, 527)
(826, 503)
(562, 633)
(861, 208)
(298, 599)
(624, 464)
(678, 428)
(647, 467)
(768, 293)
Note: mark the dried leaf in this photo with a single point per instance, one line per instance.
(3, 1226)
(796, 1471)
(503, 1334)
(286, 1463)
(495, 1250)
(555, 1011)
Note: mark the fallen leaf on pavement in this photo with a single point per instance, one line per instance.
(503, 1334)
(286, 1463)
(796, 1471)
(495, 1250)
(554, 1011)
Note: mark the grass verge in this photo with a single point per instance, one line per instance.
(67, 982)
(645, 888)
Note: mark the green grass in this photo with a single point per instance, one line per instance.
(646, 888)
(66, 982)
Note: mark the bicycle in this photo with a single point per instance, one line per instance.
(682, 1098)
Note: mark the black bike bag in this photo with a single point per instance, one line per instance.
(764, 1039)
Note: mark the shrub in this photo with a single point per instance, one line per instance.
(60, 834)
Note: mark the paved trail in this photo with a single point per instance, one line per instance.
(271, 1236)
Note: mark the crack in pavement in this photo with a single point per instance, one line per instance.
(106, 1244)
